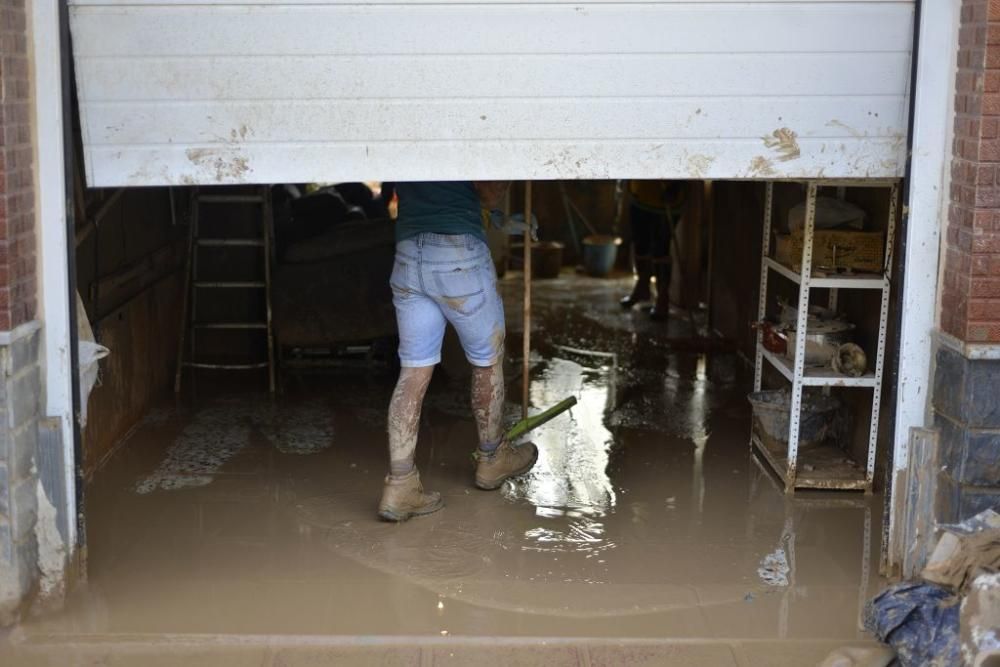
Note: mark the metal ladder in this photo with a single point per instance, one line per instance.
(193, 285)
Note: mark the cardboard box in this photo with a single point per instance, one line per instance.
(834, 250)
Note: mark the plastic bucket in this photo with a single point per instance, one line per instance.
(546, 259)
(599, 254)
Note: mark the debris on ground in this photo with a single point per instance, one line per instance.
(963, 550)
(952, 616)
(979, 620)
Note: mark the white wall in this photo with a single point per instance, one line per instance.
(228, 92)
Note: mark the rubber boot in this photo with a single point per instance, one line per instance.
(661, 310)
(641, 291)
(404, 497)
(506, 461)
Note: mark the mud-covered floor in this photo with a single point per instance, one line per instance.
(241, 531)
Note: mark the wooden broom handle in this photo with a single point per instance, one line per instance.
(525, 379)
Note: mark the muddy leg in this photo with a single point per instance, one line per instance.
(404, 418)
(487, 404)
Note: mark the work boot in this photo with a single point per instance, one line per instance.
(661, 310)
(641, 291)
(403, 497)
(506, 461)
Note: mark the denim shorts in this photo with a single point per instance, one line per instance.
(440, 278)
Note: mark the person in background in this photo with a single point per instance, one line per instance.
(652, 206)
(443, 273)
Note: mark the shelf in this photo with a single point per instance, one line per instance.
(839, 281)
(818, 377)
(820, 467)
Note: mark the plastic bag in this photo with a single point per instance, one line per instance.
(919, 621)
(831, 213)
(90, 353)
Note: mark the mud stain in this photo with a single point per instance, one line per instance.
(212, 438)
(454, 302)
(497, 339)
(698, 165)
(850, 130)
(217, 434)
(784, 142)
(761, 166)
(300, 429)
(219, 165)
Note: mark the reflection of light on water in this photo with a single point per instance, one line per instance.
(571, 474)
(584, 536)
(570, 483)
(698, 418)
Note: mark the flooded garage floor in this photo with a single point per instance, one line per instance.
(241, 531)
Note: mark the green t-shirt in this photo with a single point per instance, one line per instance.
(440, 208)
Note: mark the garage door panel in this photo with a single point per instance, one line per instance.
(465, 120)
(145, 31)
(489, 76)
(391, 160)
(236, 93)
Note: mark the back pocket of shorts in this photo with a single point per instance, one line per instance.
(398, 279)
(461, 290)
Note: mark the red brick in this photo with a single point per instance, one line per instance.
(987, 288)
(984, 310)
(983, 332)
(965, 82)
(980, 12)
(987, 196)
(985, 243)
(989, 150)
(18, 251)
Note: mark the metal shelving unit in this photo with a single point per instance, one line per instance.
(827, 467)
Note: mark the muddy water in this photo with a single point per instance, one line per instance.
(645, 517)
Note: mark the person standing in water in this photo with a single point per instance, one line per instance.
(443, 273)
(652, 206)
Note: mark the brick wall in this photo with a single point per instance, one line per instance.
(966, 412)
(971, 286)
(18, 284)
(20, 335)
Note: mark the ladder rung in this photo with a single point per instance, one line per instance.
(231, 325)
(230, 199)
(231, 284)
(233, 367)
(231, 242)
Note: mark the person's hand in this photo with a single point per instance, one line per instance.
(514, 225)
